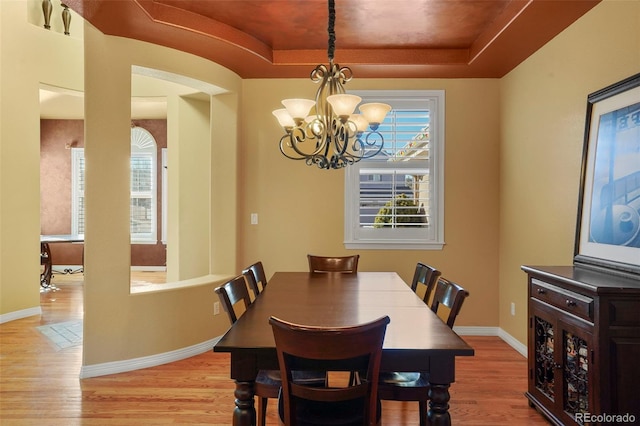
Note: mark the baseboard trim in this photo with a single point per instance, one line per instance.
(145, 362)
(493, 331)
(513, 342)
(16, 315)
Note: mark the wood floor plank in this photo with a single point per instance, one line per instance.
(40, 385)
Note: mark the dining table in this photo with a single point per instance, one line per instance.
(416, 338)
(46, 260)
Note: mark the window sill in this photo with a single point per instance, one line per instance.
(141, 242)
(393, 245)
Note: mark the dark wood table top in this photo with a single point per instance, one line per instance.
(345, 299)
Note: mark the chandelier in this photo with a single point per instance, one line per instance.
(332, 136)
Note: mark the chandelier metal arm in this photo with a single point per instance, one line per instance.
(293, 139)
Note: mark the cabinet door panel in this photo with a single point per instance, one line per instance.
(625, 398)
(576, 344)
(545, 368)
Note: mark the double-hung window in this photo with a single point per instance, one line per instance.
(395, 200)
(143, 212)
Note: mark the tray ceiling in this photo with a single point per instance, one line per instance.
(375, 38)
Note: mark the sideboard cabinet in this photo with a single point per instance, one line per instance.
(583, 345)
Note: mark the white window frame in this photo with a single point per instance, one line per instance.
(165, 194)
(142, 144)
(77, 193)
(431, 237)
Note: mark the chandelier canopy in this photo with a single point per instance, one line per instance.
(332, 136)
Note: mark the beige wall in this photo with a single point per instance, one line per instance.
(40, 56)
(543, 104)
(301, 208)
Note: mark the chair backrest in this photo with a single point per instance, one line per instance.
(251, 283)
(232, 292)
(427, 276)
(451, 295)
(345, 264)
(257, 279)
(355, 348)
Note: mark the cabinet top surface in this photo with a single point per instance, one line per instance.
(588, 279)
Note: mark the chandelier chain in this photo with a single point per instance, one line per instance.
(331, 30)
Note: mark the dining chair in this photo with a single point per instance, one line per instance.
(345, 264)
(257, 279)
(450, 295)
(314, 348)
(425, 276)
(414, 386)
(231, 293)
(267, 384)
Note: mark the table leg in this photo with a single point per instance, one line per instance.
(245, 413)
(438, 414)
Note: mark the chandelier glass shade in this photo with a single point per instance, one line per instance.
(326, 132)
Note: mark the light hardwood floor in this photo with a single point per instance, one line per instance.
(40, 386)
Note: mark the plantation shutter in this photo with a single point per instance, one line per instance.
(393, 200)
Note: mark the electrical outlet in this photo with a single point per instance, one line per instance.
(216, 308)
(513, 308)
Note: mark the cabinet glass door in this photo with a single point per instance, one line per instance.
(576, 357)
(544, 356)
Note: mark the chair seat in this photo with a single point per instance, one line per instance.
(414, 388)
(274, 377)
(399, 378)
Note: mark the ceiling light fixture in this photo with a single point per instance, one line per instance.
(333, 136)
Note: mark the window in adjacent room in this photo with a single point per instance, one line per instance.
(143, 188)
(395, 199)
(165, 196)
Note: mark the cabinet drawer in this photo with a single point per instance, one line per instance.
(568, 301)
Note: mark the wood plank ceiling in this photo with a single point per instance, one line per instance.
(375, 38)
